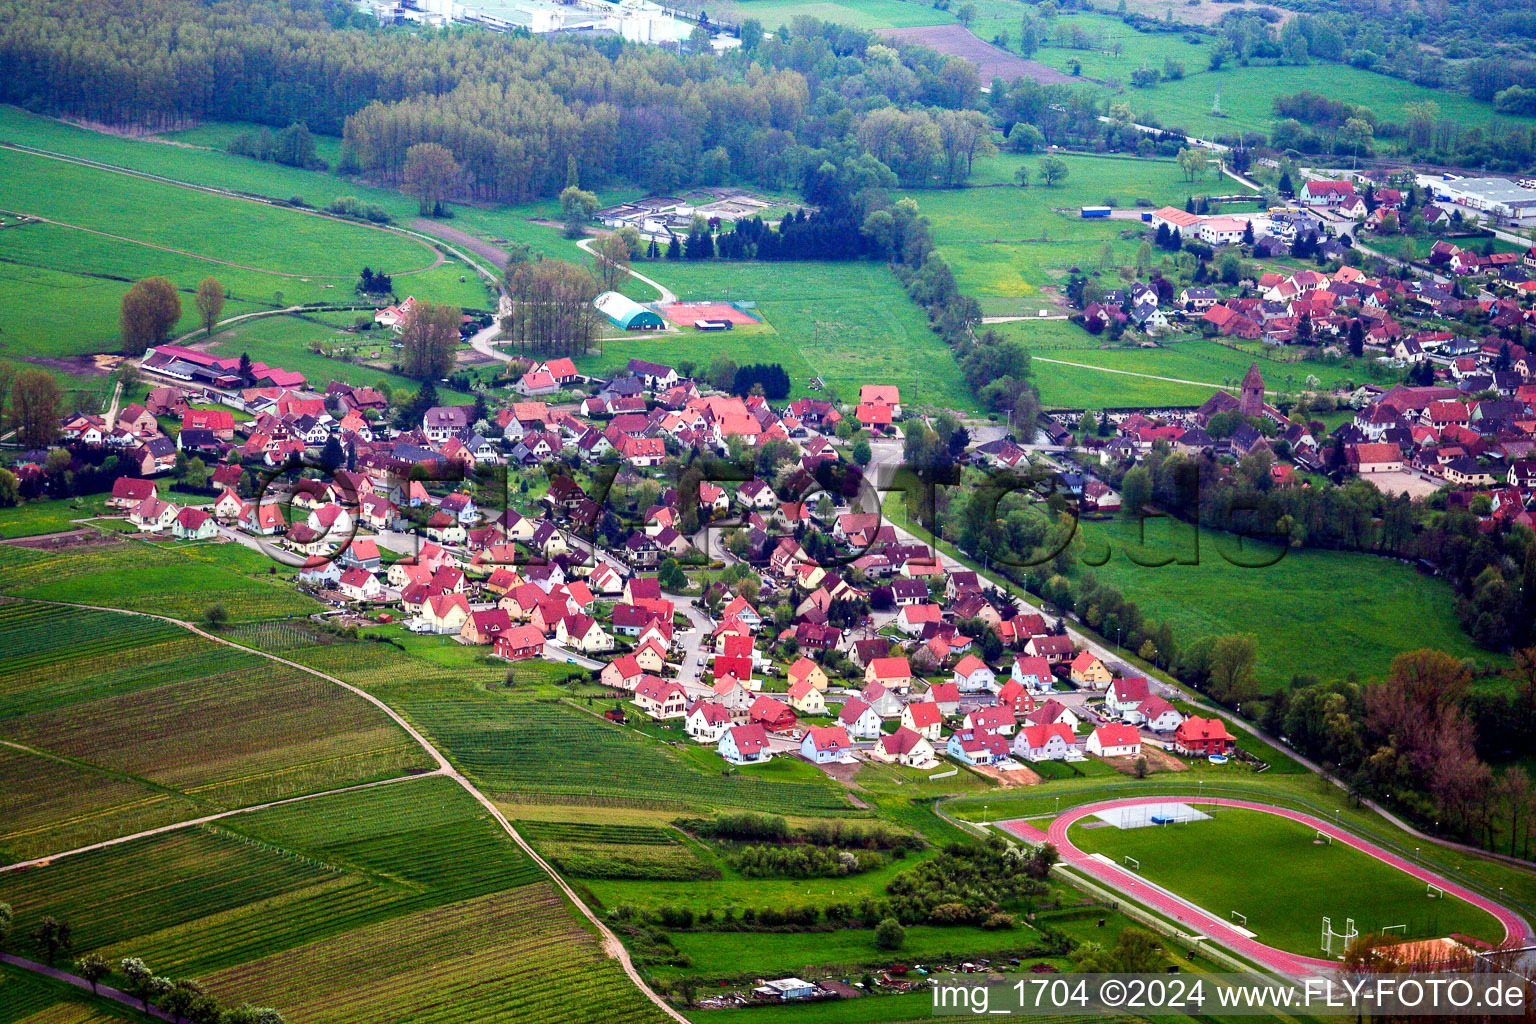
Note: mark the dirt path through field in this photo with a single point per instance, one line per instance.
(612, 946)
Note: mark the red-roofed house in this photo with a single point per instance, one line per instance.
(518, 643)
(1044, 742)
(1114, 740)
(1199, 737)
(825, 744)
(744, 744)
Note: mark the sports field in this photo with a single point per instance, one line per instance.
(1277, 873)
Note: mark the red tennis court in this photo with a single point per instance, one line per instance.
(686, 314)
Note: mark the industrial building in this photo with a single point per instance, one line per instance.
(627, 313)
(1500, 198)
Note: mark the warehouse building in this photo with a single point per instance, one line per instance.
(627, 313)
(1500, 198)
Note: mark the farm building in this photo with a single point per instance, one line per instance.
(627, 313)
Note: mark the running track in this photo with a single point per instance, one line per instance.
(1122, 880)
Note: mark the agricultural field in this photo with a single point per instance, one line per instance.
(146, 712)
(1286, 880)
(216, 228)
(180, 580)
(849, 323)
(865, 14)
(356, 906)
(1392, 607)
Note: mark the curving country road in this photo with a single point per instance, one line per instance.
(612, 946)
(667, 294)
(1197, 918)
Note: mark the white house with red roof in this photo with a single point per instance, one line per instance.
(1326, 193)
(1033, 672)
(707, 721)
(1053, 712)
(1000, 720)
(1114, 740)
(946, 696)
(1126, 694)
(1156, 715)
(1052, 742)
(744, 744)
(825, 744)
(358, 584)
(884, 699)
(661, 699)
(905, 747)
(859, 719)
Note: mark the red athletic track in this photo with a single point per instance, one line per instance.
(1187, 913)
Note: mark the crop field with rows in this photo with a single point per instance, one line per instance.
(514, 955)
(180, 581)
(177, 711)
(590, 850)
(26, 998)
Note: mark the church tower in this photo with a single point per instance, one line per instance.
(1251, 399)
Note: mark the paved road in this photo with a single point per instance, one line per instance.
(1204, 922)
(612, 946)
(667, 294)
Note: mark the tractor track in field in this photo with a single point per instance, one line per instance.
(611, 944)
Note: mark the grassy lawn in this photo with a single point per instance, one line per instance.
(849, 323)
(50, 516)
(1285, 881)
(1392, 607)
(768, 955)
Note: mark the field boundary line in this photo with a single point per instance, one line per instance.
(1148, 376)
(22, 865)
(611, 944)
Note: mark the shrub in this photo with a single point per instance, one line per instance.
(889, 934)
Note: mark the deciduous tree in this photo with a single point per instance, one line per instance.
(430, 336)
(148, 313)
(36, 402)
(431, 175)
(210, 302)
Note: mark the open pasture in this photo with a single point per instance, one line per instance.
(1392, 607)
(289, 341)
(1277, 873)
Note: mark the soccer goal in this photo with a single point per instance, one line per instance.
(1323, 837)
(1393, 929)
(1333, 941)
(1132, 862)
(1241, 919)
(1433, 891)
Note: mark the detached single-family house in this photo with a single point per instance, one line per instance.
(622, 673)
(1114, 740)
(859, 719)
(744, 744)
(923, 718)
(995, 719)
(1126, 694)
(1053, 712)
(445, 613)
(357, 584)
(977, 747)
(806, 699)
(1199, 737)
(1089, 672)
(973, 674)
(582, 633)
(806, 670)
(661, 698)
(1044, 742)
(1155, 714)
(892, 673)
(707, 721)
(518, 643)
(882, 698)
(772, 714)
(1033, 672)
(825, 744)
(904, 747)
(193, 524)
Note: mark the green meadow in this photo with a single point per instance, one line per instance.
(849, 323)
(1229, 588)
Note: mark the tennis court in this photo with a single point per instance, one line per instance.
(686, 314)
